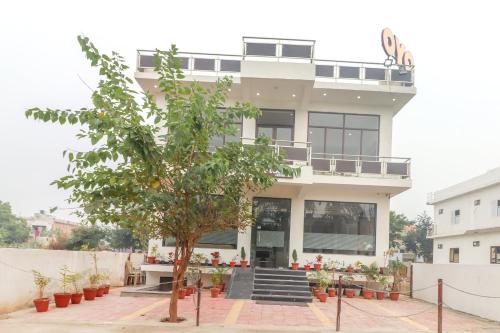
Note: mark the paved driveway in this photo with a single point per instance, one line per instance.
(113, 313)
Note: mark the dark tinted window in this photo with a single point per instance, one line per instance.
(230, 65)
(361, 121)
(326, 119)
(203, 64)
(296, 51)
(261, 49)
(276, 117)
(348, 72)
(324, 70)
(375, 74)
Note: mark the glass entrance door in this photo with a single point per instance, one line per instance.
(271, 232)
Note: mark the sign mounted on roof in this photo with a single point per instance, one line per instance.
(396, 50)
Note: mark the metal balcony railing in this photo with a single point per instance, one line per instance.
(285, 50)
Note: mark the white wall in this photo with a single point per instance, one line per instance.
(477, 279)
(298, 194)
(16, 279)
(469, 255)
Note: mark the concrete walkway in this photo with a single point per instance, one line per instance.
(113, 313)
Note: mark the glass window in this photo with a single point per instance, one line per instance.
(340, 227)
(220, 140)
(277, 125)
(440, 211)
(455, 218)
(454, 255)
(498, 208)
(266, 131)
(217, 240)
(344, 134)
(495, 255)
(284, 133)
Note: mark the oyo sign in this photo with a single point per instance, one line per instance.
(395, 49)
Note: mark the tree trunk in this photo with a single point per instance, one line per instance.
(185, 249)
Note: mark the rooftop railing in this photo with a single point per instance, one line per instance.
(285, 50)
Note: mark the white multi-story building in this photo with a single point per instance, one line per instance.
(334, 120)
(467, 221)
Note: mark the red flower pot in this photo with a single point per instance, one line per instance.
(106, 289)
(215, 262)
(317, 267)
(181, 293)
(179, 262)
(367, 294)
(221, 287)
(332, 292)
(214, 292)
(350, 269)
(295, 266)
(349, 293)
(150, 259)
(307, 268)
(315, 292)
(62, 299)
(394, 295)
(232, 263)
(76, 298)
(380, 295)
(322, 297)
(189, 290)
(41, 304)
(89, 294)
(100, 291)
(243, 263)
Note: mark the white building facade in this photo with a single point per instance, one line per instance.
(467, 221)
(334, 121)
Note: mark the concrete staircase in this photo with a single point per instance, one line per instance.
(281, 285)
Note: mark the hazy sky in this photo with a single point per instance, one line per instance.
(451, 129)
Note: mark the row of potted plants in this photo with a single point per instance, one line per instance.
(68, 280)
(153, 258)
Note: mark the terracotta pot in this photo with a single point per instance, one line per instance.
(322, 297)
(221, 287)
(41, 304)
(181, 293)
(243, 263)
(381, 270)
(189, 290)
(317, 267)
(150, 259)
(394, 295)
(349, 293)
(215, 262)
(307, 268)
(295, 266)
(100, 291)
(214, 292)
(76, 298)
(332, 292)
(62, 299)
(380, 295)
(106, 289)
(179, 262)
(315, 292)
(89, 294)
(232, 263)
(349, 269)
(368, 294)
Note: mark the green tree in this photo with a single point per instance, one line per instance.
(86, 237)
(123, 238)
(13, 230)
(416, 240)
(397, 224)
(153, 169)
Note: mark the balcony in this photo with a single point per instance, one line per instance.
(290, 51)
(299, 154)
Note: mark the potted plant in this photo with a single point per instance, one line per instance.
(317, 265)
(332, 292)
(105, 284)
(216, 281)
(232, 263)
(349, 269)
(215, 258)
(371, 273)
(62, 299)
(387, 254)
(90, 293)
(100, 287)
(151, 259)
(295, 264)
(76, 295)
(243, 256)
(324, 281)
(181, 293)
(347, 282)
(382, 283)
(397, 269)
(307, 266)
(41, 303)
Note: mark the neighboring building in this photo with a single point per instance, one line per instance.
(334, 120)
(42, 224)
(467, 221)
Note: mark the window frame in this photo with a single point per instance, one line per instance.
(342, 252)
(494, 253)
(238, 123)
(454, 251)
(343, 129)
(455, 218)
(275, 127)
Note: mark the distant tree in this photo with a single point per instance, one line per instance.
(13, 230)
(86, 237)
(123, 238)
(416, 240)
(397, 224)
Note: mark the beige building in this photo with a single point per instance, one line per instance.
(334, 119)
(42, 223)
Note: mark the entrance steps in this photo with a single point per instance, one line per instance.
(281, 285)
